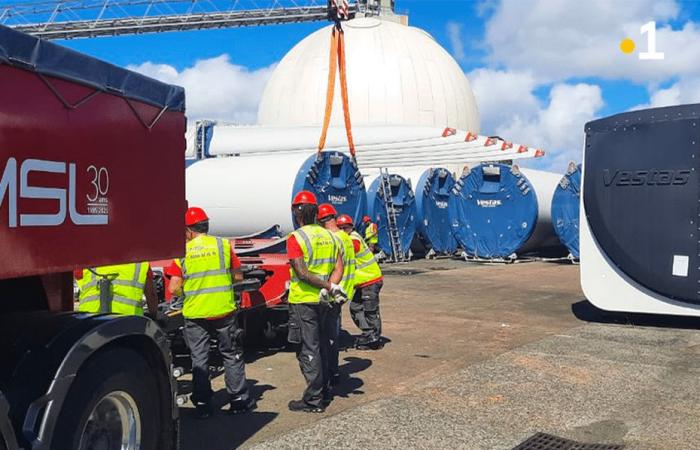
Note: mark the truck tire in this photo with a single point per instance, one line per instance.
(112, 404)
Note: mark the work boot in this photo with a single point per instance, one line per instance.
(335, 380)
(239, 406)
(302, 406)
(202, 410)
(376, 344)
(327, 398)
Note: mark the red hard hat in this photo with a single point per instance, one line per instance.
(195, 215)
(343, 219)
(325, 210)
(304, 198)
(366, 219)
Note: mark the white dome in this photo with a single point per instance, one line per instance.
(397, 75)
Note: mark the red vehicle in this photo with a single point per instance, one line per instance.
(79, 141)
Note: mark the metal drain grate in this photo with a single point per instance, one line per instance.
(544, 441)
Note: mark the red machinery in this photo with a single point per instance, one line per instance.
(263, 310)
(79, 141)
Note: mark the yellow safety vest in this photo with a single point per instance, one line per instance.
(127, 288)
(348, 252)
(320, 248)
(208, 284)
(371, 233)
(366, 267)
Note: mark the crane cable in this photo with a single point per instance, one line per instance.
(336, 59)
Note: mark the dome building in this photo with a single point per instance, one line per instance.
(396, 74)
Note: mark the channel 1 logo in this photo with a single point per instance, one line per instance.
(627, 45)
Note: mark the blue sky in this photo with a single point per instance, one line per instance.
(540, 69)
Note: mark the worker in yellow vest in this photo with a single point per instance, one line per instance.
(371, 234)
(327, 217)
(316, 268)
(364, 307)
(130, 283)
(205, 278)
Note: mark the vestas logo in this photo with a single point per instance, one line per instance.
(441, 204)
(652, 177)
(489, 203)
(337, 199)
(65, 197)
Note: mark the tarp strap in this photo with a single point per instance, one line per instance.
(336, 61)
(62, 99)
(141, 119)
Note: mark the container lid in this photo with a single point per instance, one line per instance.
(334, 178)
(46, 58)
(565, 209)
(432, 199)
(493, 210)
(404, 203)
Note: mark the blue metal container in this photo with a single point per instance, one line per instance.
(493, 211)
(565, 209)
(433, 223)
(334, 178)
(404, 206)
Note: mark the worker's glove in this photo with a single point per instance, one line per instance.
(337, 289)
(324, 298)
(340, 298)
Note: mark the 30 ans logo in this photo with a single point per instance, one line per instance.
(15, 185)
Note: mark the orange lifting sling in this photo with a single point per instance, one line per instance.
(337, 59)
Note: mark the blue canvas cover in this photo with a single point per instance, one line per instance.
(45, 58)
(565, 209)
(404, 205)
(334, 178)
(493, 210)
(432, 207)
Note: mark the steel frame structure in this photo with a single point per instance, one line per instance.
(69, 19)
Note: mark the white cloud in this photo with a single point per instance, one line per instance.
(509, 108)
(685, 90)
(558, 127)
(454, 33)
(501, 93)
(215, 88)
(559, 39)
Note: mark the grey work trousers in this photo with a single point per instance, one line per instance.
(306, 328)
(198, 334)
(332, 333)
(364, 310)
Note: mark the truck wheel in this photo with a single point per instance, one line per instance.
(112, 405)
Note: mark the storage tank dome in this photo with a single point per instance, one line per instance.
(397, 75)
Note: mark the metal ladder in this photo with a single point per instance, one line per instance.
(397, 254)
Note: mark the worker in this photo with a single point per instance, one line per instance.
(130, 283)
(364, 306)
(327, 217)
(316, 268)
(205, 278)
(371, 234)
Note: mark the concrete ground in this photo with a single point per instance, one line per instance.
(482, 357)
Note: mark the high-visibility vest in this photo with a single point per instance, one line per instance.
(320, 248)
(366, 267)
(207, 281)
(348, 253)
(371, 233)
(127, 288)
